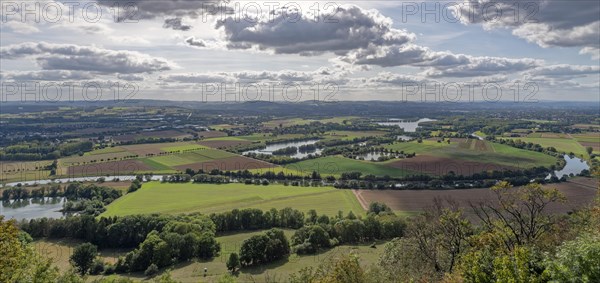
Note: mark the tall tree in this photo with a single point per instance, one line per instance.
(519, 216)
(233, 263)
(83, 256)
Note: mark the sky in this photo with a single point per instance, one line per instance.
(434, 51)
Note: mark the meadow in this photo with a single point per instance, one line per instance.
(60, 251)
(173, 198)
(567, 145)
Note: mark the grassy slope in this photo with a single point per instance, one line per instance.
(158, 197)
(500, 154)
(193, 271)
(566, 145)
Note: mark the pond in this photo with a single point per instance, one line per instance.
(573, 166)
(273, 147)
(478, 137)
(372, 156)
(404, 138)
(32, 208)
(408, 126)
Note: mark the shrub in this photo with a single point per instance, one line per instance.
(151, 270)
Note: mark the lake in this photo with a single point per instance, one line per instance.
(408, 126)
(404, 138)
(32, 208)
(273, 147)
(574, 166)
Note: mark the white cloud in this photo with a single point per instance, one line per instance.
(20, 27)
(50, 56)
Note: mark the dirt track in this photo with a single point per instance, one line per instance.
(361, 200)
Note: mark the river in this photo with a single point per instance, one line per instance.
(408, 126)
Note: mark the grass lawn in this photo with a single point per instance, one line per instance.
(336, 165)
(156, 197)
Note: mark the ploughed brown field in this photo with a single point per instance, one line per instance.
(233, 163)
(578, 191)
(594, 145)
(223, 143)
(123, 167)
(434, 165)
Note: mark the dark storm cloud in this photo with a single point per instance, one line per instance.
(350, 27)
(547, 23)
(145, 9)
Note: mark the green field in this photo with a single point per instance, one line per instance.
(183, 147)
(349, 135)
(106, 150)
(589, 137)
(301, 121)
(156, 197)
(426, 146)
(494, 153)
(188, 158)
(336, 165)
(561, 144)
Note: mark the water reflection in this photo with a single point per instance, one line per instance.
(32, 208)
(574, 165)
(276, 146)
(408, 126)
